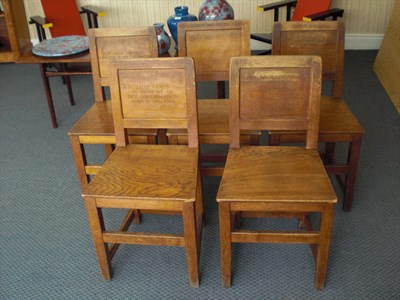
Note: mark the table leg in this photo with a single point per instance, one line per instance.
(354, 156)
(69, 88)
(49, 97)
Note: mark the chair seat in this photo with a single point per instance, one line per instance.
(213, 122)
(98, 120)
(336, 118)
(276, 174)
(143, 172)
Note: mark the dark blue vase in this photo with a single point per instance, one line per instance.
(181, 15)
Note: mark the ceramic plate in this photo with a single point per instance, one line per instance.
(62, 46)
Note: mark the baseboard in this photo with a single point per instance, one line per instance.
(353, 41)
(360, 41)
(34, 41)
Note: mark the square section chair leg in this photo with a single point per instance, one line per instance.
(225, 243)
(319, 241)
(191, 241)
(199, 211)
(108, 148)
(80, 160)
(97, 227)
(323, 247)
(353, 158)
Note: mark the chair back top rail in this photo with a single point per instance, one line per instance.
(211, 44)
(118, 43)
(275, 93)
(154, 93)
(321, 38)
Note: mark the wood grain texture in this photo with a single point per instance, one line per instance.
(212, 44)
(324, 39)
(165, 96)
(14, 33)
(96, 126)
(286, 180)
(278, 174)
(261, 88)
(213, 124)
(148, 171)
(337, 122)
(219, 40)
(159, 178)
(387, 63)
(107, 44)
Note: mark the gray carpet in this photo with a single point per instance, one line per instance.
(46, 249)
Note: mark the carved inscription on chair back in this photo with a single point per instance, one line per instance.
(154, 93)
(118, 43)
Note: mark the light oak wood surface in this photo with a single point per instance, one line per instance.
(387, 63)
(279, 93)
(212, 44)
(96, 125)
(158, 178)
(289, 174)
(14, 34)
(337, 123)
(213, 125)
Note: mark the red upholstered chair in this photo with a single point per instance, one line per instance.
(298, 10)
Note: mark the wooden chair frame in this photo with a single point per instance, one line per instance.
(131, 190)
(337, 123)
(260, 110)
(96, 125)
(211, 44)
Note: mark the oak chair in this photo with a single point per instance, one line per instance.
(96, 125)
(275, 181)
(150, 93)
(211, 44)
(337, 122)
(297, 10)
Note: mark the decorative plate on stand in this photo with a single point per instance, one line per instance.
(62, 46)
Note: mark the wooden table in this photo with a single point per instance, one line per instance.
(78, 64)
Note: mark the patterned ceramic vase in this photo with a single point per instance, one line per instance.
(181, 15)
(164, 41)
(216, 10)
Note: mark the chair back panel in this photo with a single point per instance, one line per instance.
(309, 7)
(275, 93)
(212, 44)
(65, 16)
(321, 38)
(154, 93)
(118, 43)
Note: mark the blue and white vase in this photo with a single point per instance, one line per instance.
(163, 39)
(181, 15)
(212, 10)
